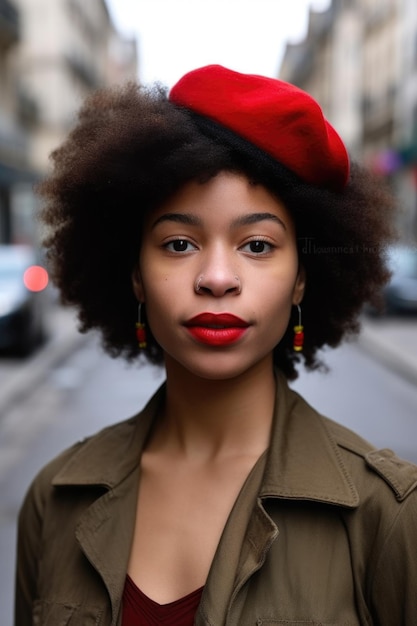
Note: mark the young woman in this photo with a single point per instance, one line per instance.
(227, 216)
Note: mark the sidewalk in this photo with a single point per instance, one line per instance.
(64, 339)
(392, 341)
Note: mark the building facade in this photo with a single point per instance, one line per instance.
(16, 117)
(406, 119)
(327, 65)
(359, 60)
(61, 50)
(68, 48)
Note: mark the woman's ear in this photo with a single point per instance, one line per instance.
(299, 286)
(138, 285)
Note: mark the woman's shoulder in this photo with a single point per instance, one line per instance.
(370, 469)
(84, 453)
(373, 470)
(374, 473)
(336, 455)
(102, 458)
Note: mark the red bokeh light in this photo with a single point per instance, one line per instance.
(35, 278)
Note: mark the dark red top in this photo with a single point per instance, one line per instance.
(139, 610)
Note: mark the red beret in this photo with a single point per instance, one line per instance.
(277, 117)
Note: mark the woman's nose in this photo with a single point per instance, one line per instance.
(218, 277)
(218, 286)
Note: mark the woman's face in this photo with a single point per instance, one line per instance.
(218, 272)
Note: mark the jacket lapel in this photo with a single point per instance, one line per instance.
(105, 530)
(228, 567)
(303, 463)
(104, 533)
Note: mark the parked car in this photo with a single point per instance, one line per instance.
(22, 299)
(400, 294)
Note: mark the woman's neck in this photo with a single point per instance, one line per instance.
(212, 419)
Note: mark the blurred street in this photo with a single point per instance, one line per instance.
(70, 389)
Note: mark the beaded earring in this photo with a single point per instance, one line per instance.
(141, 329)
(298, 333)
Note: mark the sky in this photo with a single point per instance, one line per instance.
(175, 36)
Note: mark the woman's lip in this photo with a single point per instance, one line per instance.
(217, 336)
(217, 329)
(217, 320)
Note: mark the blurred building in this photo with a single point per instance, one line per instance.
(406, 115)
(61, 50)
(381, 75)
(359, 60)
(327, 65)
(15, 114)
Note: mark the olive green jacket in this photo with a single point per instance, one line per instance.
(324, 531)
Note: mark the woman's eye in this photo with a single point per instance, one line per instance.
(180, 245)
(257, 247)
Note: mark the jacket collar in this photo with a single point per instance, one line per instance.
(303, 463)
(108, 457)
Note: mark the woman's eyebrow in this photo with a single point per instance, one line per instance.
(180, 218)
(254, 218)
(243, 220)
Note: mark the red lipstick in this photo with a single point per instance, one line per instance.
(216, 329)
